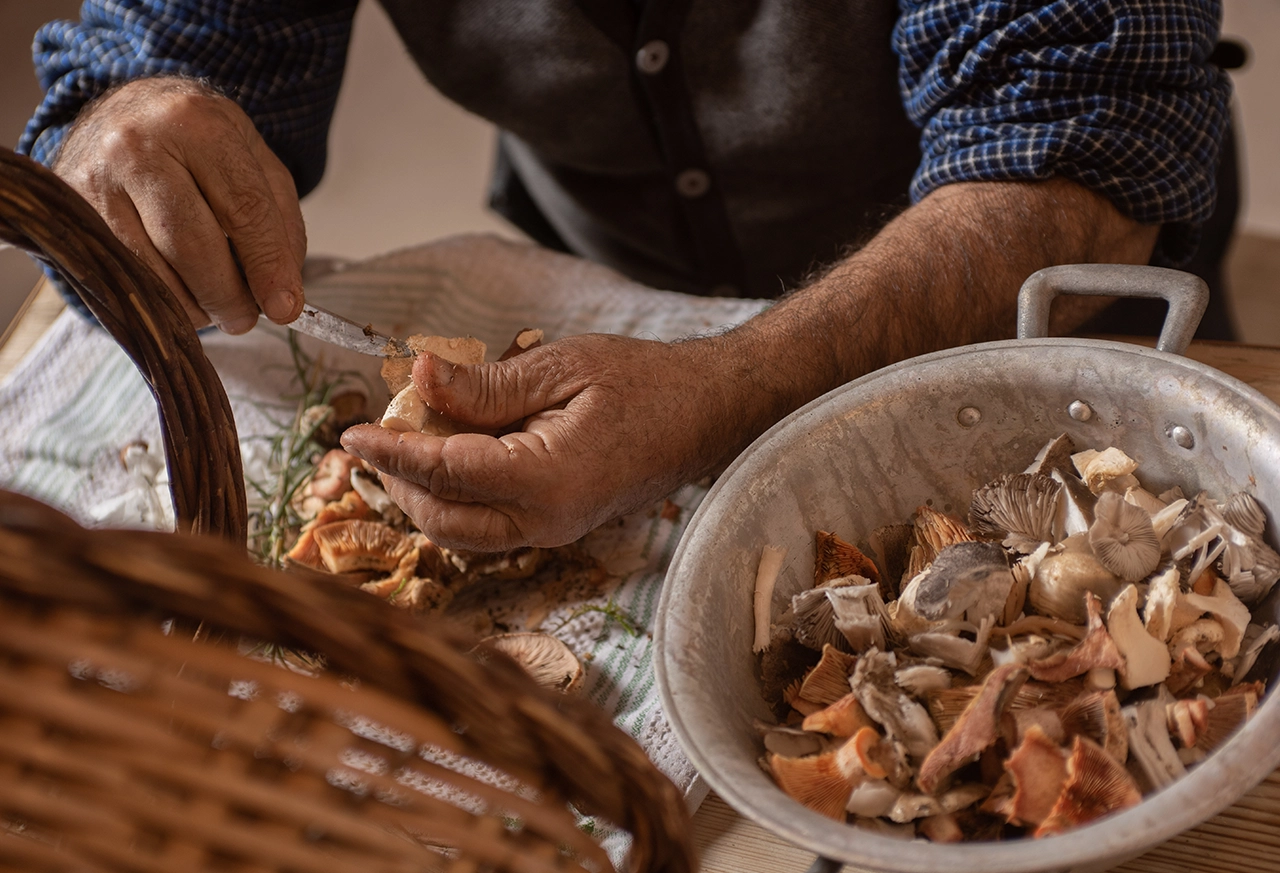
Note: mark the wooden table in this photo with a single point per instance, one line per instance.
(1243, 839)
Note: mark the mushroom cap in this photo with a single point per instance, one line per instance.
(550, 662)
(1062, 580)
(962, 575)
(1123, 539)
(1019, 507)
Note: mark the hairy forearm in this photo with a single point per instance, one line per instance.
(944, 273)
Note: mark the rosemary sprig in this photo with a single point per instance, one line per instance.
(611, 611)
(292, 456)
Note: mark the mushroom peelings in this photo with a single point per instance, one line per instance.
(1074, 644)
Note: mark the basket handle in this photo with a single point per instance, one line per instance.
(1186, 294)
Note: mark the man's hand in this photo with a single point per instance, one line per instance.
(610, 424)
(177, 171)
(603, 424)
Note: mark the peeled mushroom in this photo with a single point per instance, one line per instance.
(1122, 538)
(1061, 581)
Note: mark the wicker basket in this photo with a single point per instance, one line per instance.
(128, 743)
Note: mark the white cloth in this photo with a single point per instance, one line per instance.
(76, 402)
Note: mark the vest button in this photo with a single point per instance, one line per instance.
(653, 56)
(692, 183)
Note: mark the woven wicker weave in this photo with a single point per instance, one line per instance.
(127, 745)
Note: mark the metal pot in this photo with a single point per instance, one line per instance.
(929, 431)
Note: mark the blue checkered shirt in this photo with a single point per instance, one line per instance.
(1114, 94)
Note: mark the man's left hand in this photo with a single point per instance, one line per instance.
(598, 425)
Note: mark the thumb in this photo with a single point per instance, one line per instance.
(492, 395)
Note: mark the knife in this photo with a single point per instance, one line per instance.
(332, 328)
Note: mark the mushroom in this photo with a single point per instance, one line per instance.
(1149, 745)
(1122, 538)
(909, 807)
(1054, 455)
(1242, 512)
(1166, 610)
(1146, 659)
(1186, 718)
(1230, 710)
(816, 781)
(934, 531)
(1096, 650)
(1061, 581)
(892, 545)
(968, 578)
(828, 681)
(352, 545)
(1097, 715)
(550, 662)
(1096, 785)
(834, 558)
(824, 782)
(844, 718)
(872, 798)
(903, 719)
(1075, 506)
(954, 650)
(858, 612)
(1231, 614)
(814, 618)
(1107, 470)
(791, 742)
(1019, 508)
(766, 577)
(1144, 500)
(1256, 638)
(918, 679)
(377, 499)
(1038, 771)
(975, 730)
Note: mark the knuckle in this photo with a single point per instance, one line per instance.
(247, 210)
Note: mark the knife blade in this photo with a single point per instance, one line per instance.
(332, 328)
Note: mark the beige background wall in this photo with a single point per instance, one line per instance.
(407, 166)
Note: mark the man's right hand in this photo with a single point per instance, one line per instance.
(177, 170)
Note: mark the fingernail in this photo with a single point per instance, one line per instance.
(240, 325)
(278, 306)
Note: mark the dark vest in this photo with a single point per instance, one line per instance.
(725, 145)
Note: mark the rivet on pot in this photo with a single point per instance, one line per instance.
(1080, 411)
(1182, 436)
(968, 416)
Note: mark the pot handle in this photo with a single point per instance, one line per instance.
(1186, 294)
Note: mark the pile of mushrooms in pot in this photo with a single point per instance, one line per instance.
(1075, 643)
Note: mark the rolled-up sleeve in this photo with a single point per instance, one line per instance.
(281, 60)
(1117, 95)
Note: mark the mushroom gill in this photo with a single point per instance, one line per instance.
(546, 659)
(1123, 539)
(975, 730)
(1018, 507)
(1096, 785)
(347, 546)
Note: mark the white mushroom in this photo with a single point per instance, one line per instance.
(1149, 745)
(1061, 581)
(1146, 659)
(970, 579)
(1109, 469)
(1122, 538)
(909, 807)
(1232, 615)
(872, 798)
(1256, 637)
(859, 613)
(771, 558)
(954, 650)
(902, 718)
